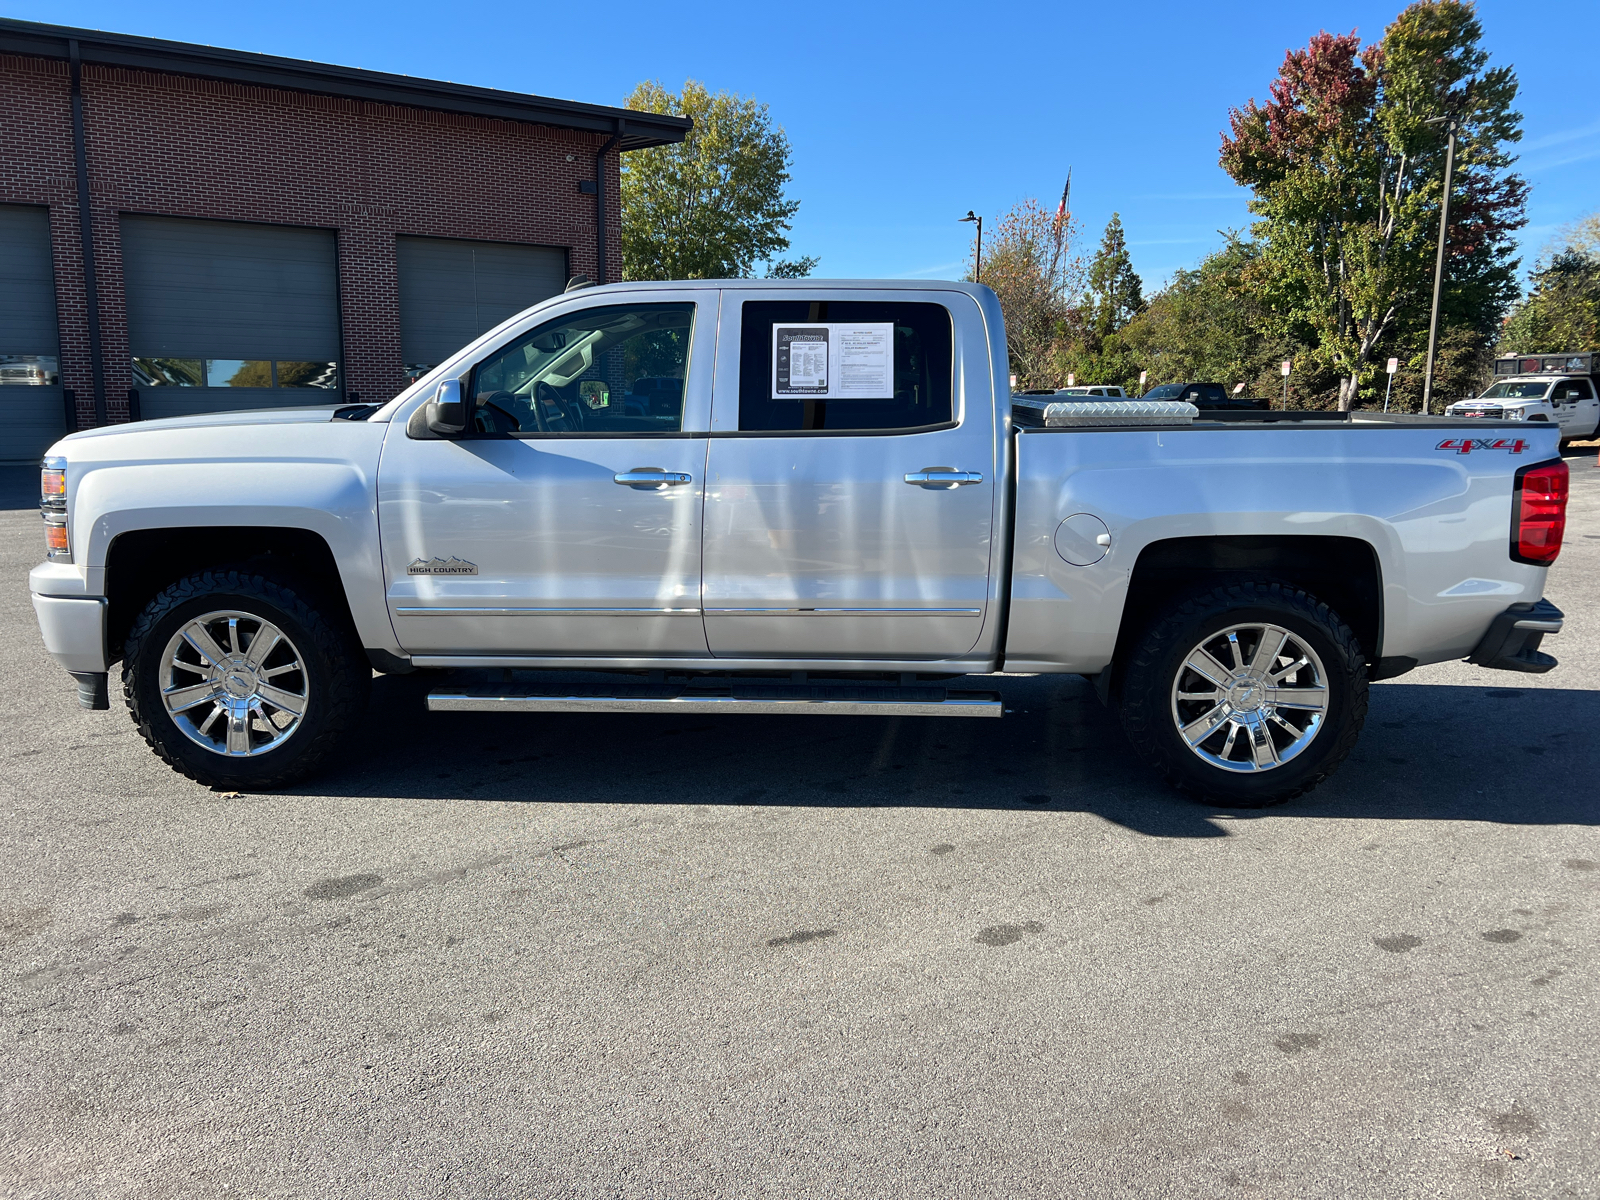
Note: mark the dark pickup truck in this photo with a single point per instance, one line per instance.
(1203, 396)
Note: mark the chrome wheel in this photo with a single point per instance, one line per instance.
(234, 684)
(1250, 697)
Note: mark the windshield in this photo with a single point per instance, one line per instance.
(1517, 391)
(1167, 391)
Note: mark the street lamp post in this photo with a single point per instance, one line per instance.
(1451, 127)
(977, 258)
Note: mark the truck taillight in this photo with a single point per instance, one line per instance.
(1539, 512)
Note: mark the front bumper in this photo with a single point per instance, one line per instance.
(74, 630)
(1512, 643)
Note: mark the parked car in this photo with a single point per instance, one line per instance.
(848, 513)
(1102, 391)
(1559, 388)
(1203, 396)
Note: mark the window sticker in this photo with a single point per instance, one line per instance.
(833, 361)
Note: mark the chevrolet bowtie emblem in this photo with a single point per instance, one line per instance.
(441, 566)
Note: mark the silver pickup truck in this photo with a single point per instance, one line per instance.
(786, 497)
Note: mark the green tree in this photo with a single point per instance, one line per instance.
(1562, 310)
(1210, 324)
(1116, 293)
(1092, 349)
(1347, 175)
(713, 205)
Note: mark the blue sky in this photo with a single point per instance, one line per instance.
(903, 116)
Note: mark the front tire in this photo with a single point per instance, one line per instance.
(237, 681)
(1247, 694)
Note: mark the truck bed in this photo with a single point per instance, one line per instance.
(1401, 484)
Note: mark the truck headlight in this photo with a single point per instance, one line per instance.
(53, 508)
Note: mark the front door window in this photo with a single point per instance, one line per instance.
(616, 369)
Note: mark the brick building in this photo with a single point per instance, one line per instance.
(266, 231)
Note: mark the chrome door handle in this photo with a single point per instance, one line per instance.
(653, 478)
(943, 477)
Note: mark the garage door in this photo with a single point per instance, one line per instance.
(227, 315)
(31, 412)
(452, 290)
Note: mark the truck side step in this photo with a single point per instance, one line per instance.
(830, 699)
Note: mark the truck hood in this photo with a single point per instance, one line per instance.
(302, 415)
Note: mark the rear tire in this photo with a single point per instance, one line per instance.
(1247, 733)
(236, 681)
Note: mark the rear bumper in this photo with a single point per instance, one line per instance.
(1512, 643)
(74, 631)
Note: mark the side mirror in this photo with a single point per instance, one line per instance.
(446, 413)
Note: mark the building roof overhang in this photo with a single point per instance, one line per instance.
(637, 129)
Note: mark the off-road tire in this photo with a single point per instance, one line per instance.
(1147, 683)
(339, 677)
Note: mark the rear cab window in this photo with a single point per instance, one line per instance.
(844, 365)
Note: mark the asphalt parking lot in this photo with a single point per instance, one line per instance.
(757, 956)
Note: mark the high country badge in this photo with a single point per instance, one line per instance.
(441, 566)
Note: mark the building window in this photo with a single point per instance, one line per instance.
(305, 374)
(169, 372)
(234, 372)
(29, 370)
(239, 372)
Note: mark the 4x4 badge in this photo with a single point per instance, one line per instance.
(442, 566)
(1468, 445)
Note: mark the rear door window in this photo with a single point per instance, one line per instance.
(897, 357)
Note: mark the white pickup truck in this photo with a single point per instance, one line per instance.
(1559, 389)
(786, 497)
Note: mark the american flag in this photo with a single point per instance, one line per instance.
(1061, 225)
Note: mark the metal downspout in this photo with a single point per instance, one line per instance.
(91, 291)
(600, 201)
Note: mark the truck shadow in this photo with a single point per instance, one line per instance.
(1430, 752)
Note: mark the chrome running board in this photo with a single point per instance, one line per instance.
(863, 700)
